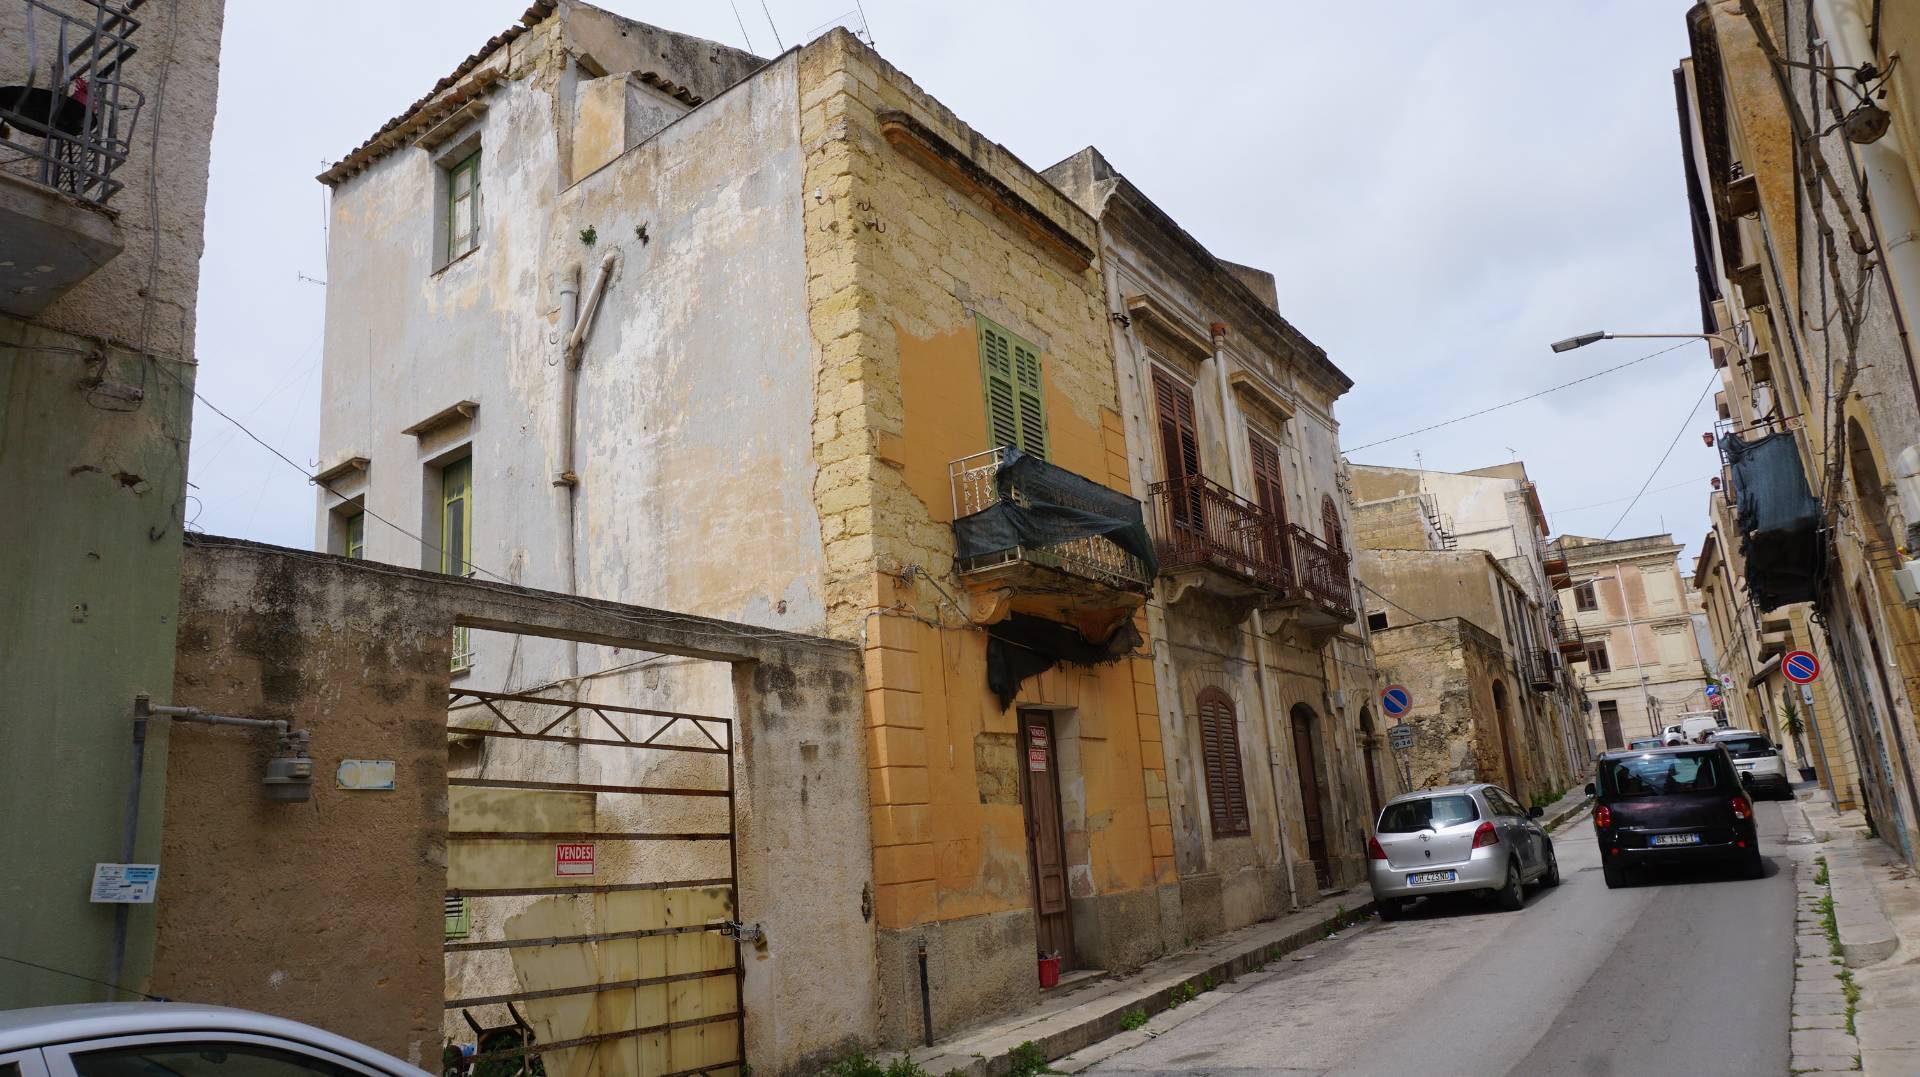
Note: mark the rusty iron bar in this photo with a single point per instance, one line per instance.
(602, 1037)
(586, 888)
(564, 715)
(479, 697)
(583, 787)
(1321, 572)
(584, 740)
(584, 989)
(583, 835)
(611, 724)
(500, 714)
(1198, 523)
(567, 940)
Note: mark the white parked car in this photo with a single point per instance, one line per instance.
(1691, 729)
(141, 1039)
(1762, 768)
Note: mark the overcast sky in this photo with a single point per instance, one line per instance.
(1440, 188)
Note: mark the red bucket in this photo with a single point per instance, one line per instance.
(1049, 971)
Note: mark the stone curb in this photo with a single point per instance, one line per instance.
(1070, 1031)
(1866, 933)
(1569, 813)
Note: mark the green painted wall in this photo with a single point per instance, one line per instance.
(94, 491)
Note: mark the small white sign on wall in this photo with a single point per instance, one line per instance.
(124, 884)
(365, 774)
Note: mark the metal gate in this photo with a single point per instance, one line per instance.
(591, 890)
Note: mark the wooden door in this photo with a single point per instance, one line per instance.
(1306, 753)
(1046, 846)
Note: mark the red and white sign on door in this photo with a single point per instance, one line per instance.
(573, 858)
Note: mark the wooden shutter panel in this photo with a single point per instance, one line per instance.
(1220, 758)
(1330, 523)
(996, 373)
(1030, 398)
(1179, 442)
(1268, 490)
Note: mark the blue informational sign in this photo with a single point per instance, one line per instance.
(1396, 700)
(1801, 667)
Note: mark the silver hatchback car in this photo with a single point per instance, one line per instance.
(1456, 839)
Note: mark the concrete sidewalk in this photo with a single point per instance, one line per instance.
(1075, 1016)
(1863, 963)
(1071, 1017)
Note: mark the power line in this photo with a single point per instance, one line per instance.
(743, 24)
(1684, 424)
(86, 979)
(1520, 400)
(771, 26)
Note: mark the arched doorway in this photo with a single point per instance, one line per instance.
(1503, 724)
(1306, 759)
(1370, 758)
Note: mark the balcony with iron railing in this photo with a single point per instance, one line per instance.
(1027, 525)
(1227, 544)
(1322, 573)
(1543, 670)
(66, 127)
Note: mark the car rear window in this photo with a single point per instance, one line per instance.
(1663, 775)
(1746, 747)
(1428, 813)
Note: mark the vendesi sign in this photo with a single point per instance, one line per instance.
(573, 858)
(124, 884)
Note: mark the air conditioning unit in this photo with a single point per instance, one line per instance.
(1908, 577)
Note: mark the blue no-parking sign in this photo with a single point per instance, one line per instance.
(1396, 700)
(1801, 667)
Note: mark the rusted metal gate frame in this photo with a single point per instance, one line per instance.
(731, 882)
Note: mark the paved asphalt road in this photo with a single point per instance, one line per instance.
(1686, 972)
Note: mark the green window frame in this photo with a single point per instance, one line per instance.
(456, 541)
(459, 917)
(1012, 379)
(357, 536)
(463, 206)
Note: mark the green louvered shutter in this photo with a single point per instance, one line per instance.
(1010, 372)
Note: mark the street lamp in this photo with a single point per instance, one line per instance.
(1585, 339)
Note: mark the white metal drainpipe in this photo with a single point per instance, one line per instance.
(578, 322)
(1227, 414)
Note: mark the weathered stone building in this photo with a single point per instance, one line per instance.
(103, 189)
(1629, 604)
(629, 315)
(1803, 183)
(1495, 511)
(1265, 686)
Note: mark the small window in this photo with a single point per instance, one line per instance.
(463, 206)
(456, 542)
(356, 538)
(1016, 395)
(1597, 659)
(1220, 757)
(1377, 621)
(1584, 598)
(459, 917)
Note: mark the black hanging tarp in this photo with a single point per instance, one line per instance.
(1021, 647)
(1054, 506)
(1779, 520)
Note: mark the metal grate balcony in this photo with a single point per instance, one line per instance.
(1321, 572)
(979, 486)
(1543, 670)
(66, 119)
(1198, 523)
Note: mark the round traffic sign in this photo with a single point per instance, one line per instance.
(1801, 667)
(1396, 700)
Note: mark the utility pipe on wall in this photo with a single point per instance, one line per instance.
(577, 322)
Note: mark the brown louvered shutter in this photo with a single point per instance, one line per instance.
(1330, 523)
(1179, 442)
(1270, 494)
(1220, 758)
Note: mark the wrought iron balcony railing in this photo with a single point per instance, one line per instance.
(1543, 670)
(66, 119)
(1321, 572)
(989, 536)
(1198, 523)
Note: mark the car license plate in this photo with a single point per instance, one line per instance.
(1675, 839)
(1420, 877)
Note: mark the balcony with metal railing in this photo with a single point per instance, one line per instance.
(1543, 670)
(1322, 573)
(66, 127)
(1223, 542)
(1029, 525)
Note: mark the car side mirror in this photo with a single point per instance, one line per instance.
(1589, 788)
(1535, 813)
(1746, 779)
